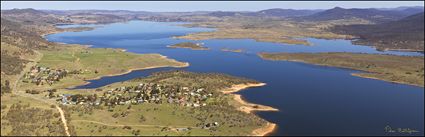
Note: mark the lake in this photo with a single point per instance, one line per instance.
(313, 100)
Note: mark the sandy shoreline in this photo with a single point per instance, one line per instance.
(270, 127)
(249, 107)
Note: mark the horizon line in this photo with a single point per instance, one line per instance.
(205, 10)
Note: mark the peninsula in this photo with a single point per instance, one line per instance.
(168, 103)
(398, 69)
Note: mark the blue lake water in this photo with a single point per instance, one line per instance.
(313, 100)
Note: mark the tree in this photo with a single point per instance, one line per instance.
(136, 132)
(142, 119)
(115, 115)
(6, 87)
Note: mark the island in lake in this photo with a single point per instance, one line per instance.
(189, 45)
(232, 50)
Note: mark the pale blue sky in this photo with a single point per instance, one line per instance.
(202, 5)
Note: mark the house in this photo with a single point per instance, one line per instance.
(200, 90)
(210, 125)
(182, 129)
(66, 98)
(140, 101)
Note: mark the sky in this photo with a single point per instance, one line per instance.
(181, 6)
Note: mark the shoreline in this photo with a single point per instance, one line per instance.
(269, 128)
(188, 37)
(352, 74)
(185, 64)
(232, 50)
(182, 65)
(375, 78)
(170, 46)
(245, 107)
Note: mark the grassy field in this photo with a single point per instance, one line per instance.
(96, 62)
(21, 116)
(163, 119)
(399, 69)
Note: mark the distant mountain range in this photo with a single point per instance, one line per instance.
(286, 12)
(29, 16)
(397, 28)
(406, 33)
(269, 12)
(337, 13)
(377, 15)
(374, 15)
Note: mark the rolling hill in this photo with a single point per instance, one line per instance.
(286, 12)
(276, 12)
(373, 15)
(406, 33)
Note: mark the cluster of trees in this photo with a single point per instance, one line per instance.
(26, 120)
(122, 114)
(50, 91)
(225, 116)
(11, 65)
(5, 88)
(18, 42)
(407, 33)
(209, 81)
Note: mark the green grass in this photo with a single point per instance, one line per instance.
(91, 60)
(399, 69)
(106, 61)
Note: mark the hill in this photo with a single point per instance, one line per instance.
(31, 16)
(286, 12)
(373, 15)
(407, 33)
(276, 12)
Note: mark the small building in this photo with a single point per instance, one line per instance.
(66, 98)
(182, 129)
